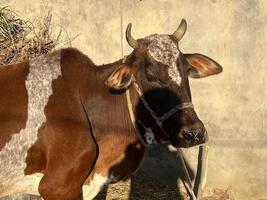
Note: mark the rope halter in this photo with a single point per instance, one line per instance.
(159, 120)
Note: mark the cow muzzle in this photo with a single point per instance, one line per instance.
(188, 137)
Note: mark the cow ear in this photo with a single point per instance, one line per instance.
(202, 66)
(121, 77)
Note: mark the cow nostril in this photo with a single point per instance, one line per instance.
(189, 135)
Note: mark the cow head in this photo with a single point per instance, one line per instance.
(161, 71)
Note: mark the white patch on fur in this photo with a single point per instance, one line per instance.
(42, 72)
(150, 137)
(96, 185)
(163, 49)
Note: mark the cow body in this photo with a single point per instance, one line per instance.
(66, 123)
(44, 122)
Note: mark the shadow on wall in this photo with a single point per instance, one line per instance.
(156, 179)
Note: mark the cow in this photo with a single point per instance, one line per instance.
(67, 124)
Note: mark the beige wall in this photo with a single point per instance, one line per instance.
(232, 105)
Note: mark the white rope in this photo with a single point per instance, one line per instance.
(202, 169)
(130, 109)
(187, 182)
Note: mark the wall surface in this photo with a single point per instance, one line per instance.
(232, 105)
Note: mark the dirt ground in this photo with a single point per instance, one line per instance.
(159, 179)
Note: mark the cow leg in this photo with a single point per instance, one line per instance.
(70, 159)
(64, 182)
(62, 185)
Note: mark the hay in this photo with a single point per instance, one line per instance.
(20, 39)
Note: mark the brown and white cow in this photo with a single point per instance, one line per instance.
(65, 122)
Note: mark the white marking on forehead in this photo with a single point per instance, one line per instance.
(97, 183)
(42, 72)
(163, 49)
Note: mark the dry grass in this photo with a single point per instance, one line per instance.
(20, 39)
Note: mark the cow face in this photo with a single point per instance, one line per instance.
(162, 71)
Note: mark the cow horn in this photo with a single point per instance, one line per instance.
(131, 41)
(180, 31)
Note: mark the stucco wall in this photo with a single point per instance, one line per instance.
(232, 105)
